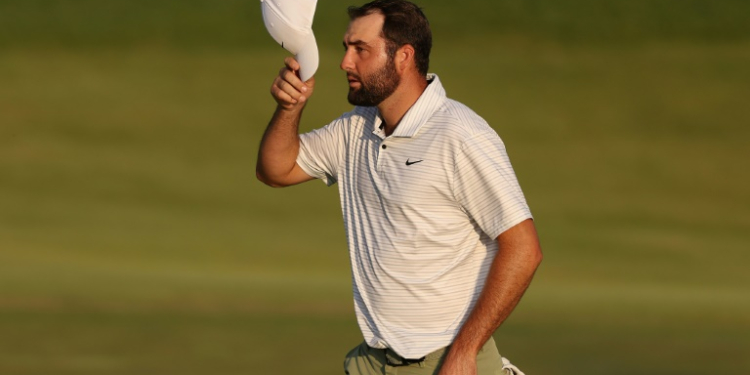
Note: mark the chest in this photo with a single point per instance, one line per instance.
(403, 172)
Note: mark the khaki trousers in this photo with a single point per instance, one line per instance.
(364, 360)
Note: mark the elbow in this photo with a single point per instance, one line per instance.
(537, 256)
(262, 177)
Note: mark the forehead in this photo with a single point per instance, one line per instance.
(366, 28)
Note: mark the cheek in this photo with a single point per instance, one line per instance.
(377, 57)
(382, 55)
(376, 63)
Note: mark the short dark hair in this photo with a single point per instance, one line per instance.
(404, 24)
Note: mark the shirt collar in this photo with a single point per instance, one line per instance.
(421, 111)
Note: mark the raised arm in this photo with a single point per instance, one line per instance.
(518, 256)
(278, 151)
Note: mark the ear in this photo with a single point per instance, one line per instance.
(404, 58)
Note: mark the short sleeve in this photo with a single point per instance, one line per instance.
(485, 185)
(320, 151)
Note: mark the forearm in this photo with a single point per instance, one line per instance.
(517, 258)
(277, 156)
(279, 147)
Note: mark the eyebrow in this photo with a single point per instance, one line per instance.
(354, 43)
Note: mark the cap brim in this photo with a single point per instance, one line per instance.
(308, 58)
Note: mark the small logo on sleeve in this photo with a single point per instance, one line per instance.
(412, 162)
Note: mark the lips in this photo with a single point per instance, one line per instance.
(353, 82)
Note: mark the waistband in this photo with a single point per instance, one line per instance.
(393, 359)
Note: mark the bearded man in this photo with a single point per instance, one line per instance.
(441, 241)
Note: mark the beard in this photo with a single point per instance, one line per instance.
(375, 87)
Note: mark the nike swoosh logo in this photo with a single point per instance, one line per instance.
(412, 162)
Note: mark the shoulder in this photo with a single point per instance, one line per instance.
(347, 123)
(460, 120)
(357, 117)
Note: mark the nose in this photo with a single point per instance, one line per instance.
(347, 64)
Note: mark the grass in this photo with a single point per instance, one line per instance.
(134, 237)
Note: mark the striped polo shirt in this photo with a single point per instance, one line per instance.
(422, 210)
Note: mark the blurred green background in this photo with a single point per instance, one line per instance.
(134, 238)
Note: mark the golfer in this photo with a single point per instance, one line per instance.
(441, 241)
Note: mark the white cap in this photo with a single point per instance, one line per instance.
(290, 23)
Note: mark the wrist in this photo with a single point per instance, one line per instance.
(289, 114)
(465, 347)
(290, 109)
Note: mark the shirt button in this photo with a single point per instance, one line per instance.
(383, 147)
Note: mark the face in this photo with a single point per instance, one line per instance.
(371, 73)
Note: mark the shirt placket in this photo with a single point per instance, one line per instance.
(382, 148)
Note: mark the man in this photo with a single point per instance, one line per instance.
(441, 241)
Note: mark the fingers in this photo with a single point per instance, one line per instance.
(287, 91)
(287, 88)
(292, 79)
(291, 63)
(282, 97)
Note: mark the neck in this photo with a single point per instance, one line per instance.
(393, 109)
